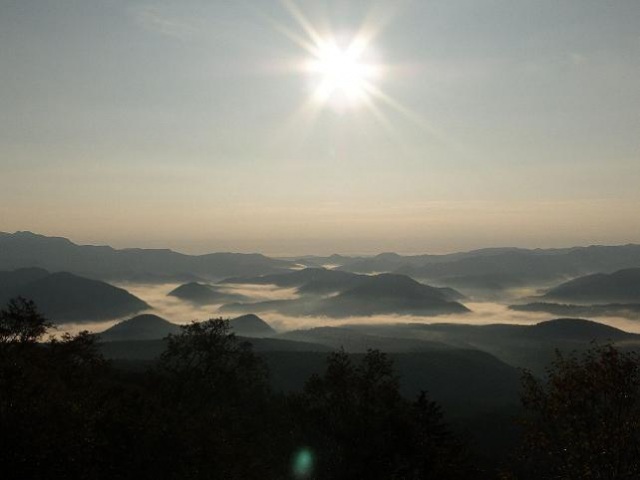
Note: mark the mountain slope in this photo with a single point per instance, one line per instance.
(372, 295)
(152, 327)
(64, 297)
(204, 294)
(502, 268)
(142, 327)
(354, 341)
(11, 281)
(524, 346)
(622, 286)
(251, 325)
(387, 294)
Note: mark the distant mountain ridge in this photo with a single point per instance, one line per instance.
(614, 294)
(502, 268)
(26, 249)
(490, 269)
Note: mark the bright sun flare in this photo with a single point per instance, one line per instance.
(343, 74)
(347, 75)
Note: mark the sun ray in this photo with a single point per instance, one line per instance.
(374, 23)
(378, 114)
(304, 43)
(300, 41)
(302, 20)
(417, 119)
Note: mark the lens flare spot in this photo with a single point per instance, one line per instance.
(303, 463)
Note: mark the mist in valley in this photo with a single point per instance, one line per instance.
(182, 312)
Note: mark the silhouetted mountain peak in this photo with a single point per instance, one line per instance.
(15, 278)
(204, 294)
(63, 296)
(577, 328)
(26, 235)
(192, 287)
(388, 256)
(144, 320)
(393, 285)
(251, 325)
(141, 327)
(194, 292)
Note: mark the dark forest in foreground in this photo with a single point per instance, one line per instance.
(206, 409)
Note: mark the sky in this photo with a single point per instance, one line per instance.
(195, 125)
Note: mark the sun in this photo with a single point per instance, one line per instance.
(340, 74)
(343, 68)
(346, 73)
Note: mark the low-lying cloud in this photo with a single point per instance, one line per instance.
(183, 312)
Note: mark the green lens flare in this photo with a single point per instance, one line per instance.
(303, 463)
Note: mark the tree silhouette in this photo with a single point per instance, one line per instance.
(360, 426)
(20, 322)
(583, 421)
(50, 399)
(205, 410)
(206, 360)
(218, 392)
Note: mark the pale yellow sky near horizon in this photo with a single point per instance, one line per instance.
(319, 231)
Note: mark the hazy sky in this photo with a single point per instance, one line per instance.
(187, 124)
